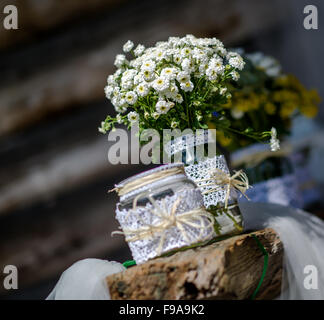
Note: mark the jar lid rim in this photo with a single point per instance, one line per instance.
(148, 172)
(152, 185)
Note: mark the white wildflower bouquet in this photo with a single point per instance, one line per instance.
(175, 84)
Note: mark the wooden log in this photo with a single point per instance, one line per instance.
(229, 269)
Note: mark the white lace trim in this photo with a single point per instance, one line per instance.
(187, 141)
(143, 250)
(202, 170)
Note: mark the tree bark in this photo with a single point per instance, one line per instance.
(228, 269)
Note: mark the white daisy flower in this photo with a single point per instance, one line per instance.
(169, 73)
(133, 116)
(183, 77)
(174, 124)
(131, 97)
(160, 84)
(237, 62)
(211, 73)
(186, 65)
(162, 107)
(139, 50)
(222, 91)
(178, 98)
(142, 89)
(148, 65)
(109, 91)
(177, 58)
(128, 46)
(185, 52)
(148, 75)
(155, 115)
(235, 75)
(187, 86)
(120, 60)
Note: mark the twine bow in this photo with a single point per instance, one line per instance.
(220, 179)
(168, 219)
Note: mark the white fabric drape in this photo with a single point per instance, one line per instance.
(85, 280)
(302, 235)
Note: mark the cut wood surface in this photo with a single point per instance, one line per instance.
(229, 269)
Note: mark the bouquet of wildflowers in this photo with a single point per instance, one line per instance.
(178, 83)
(262, 98)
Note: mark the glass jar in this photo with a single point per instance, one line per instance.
(159, 189)
(154, 209)
(228, 220)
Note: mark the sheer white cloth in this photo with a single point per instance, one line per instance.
(301, 233)
(85, 280)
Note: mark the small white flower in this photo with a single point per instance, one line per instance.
(139, 50)
(160, 84)
(109, 91)
(148, 75)
(222, 91)
(133, 116)
(178, 98)
(162, 107)
(183, 77)
(185, 52)
(236, 62)
(174, 124)
(159, 55)
(186, 65)
(177, 58)
(119, 119)
(148, 65)
(102, 128)
(131, 97)
(235, 75)
(274, 142)
(120, 60)
(128, 46)
(142, 89)
(155, 115)
(187, 86)
(169, 73)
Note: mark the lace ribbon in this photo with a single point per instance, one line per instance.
(167, 219)
(220, 179)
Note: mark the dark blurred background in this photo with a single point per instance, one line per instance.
(54, 173)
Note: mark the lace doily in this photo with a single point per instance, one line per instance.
(202, 170)
(145, 249)
(188, 141)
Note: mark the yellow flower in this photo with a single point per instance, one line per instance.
(309, 111)
(287, 109)
(222, 139)
(270, 108)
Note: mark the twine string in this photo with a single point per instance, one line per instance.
(220, 179)
(167, 219)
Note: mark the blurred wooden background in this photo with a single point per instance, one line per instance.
(54, 172)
